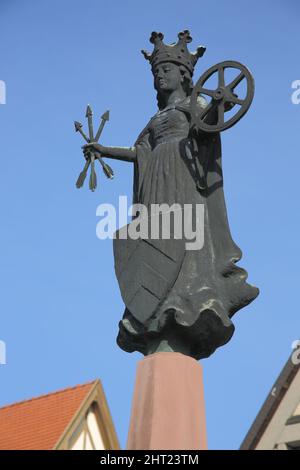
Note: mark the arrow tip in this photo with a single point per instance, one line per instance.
(89, 111)
(105, 116)
(77, 125)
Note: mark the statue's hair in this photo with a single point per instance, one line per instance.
(187, 86)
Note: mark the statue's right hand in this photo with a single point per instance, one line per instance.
(92, 147)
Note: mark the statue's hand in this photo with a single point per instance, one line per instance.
(228, 106)
(92, 148)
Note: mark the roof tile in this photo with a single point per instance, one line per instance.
(38, 423)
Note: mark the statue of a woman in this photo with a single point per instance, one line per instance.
(177, 299)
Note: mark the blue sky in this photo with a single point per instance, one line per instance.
(60, 304)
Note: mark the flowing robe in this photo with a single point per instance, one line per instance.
(182, 297)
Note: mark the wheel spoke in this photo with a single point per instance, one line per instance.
(236, 100)
(236, 81)
(221, 79)
(221, 113)
(205, 91)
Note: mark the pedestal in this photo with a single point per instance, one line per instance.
(168, 411)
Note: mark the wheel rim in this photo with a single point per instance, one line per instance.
(222, 95)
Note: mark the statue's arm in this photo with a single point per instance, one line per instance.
(212, 116)
(126, 154)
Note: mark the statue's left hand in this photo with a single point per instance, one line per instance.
(228, 106)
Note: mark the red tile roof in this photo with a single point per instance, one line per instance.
(37, 424)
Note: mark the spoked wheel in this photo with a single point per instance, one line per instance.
(222, 99)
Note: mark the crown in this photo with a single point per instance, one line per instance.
(175, 52)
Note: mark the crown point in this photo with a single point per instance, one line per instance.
(200, 51)
(146, 54)
(156, 37)
(185, 36)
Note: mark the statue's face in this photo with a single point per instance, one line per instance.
(167, 77)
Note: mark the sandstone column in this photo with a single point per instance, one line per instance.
(168, 411)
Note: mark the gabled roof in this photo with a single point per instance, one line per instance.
(39, 423)
(271, 405)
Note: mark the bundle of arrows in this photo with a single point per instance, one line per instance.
(92, 156)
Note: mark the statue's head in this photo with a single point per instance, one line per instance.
(172, 65)
(169, 76)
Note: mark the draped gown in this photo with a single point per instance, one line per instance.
(174, 296)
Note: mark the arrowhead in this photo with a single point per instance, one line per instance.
(89, 111)
(105, 116)
(77, 125)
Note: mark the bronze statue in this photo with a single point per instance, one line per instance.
(178, 299)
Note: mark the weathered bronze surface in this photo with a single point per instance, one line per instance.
(177, 299)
